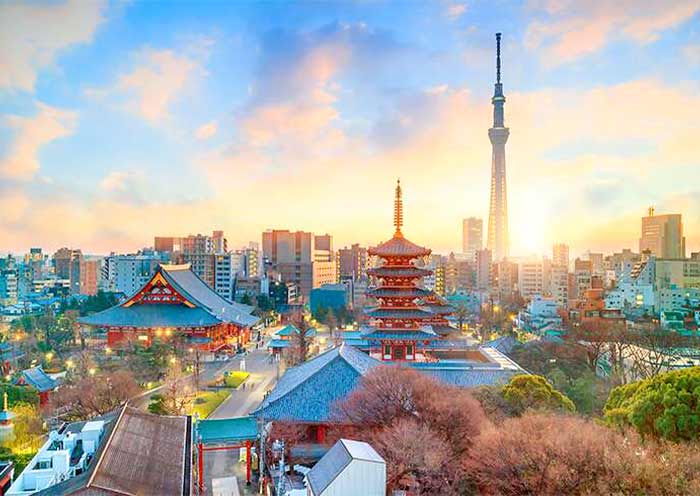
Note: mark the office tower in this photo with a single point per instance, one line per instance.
(560, 255)
(301, 258)
(353, 262)
(534, 277)
(483, 270)
(472, 236)
(662, 235)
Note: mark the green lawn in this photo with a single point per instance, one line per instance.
(236, 378)
(207, 401)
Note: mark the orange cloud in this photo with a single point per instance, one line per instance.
(576, 28)
(31, 36)
(22, 160)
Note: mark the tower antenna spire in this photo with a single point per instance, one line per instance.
(398, 210)
(498, 58)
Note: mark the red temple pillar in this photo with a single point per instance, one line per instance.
(321, 434)
(247, 463)
(200, 465)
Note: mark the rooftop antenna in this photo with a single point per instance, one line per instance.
(498, 58)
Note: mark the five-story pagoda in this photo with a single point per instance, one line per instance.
(398, 325)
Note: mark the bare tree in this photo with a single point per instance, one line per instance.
(91, 396)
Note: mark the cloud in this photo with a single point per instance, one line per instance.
(32, 36)
(206, 131)
(565, 30)
(455, 10)
(157, 82)
(31, 133)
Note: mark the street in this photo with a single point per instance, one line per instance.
(241, 402)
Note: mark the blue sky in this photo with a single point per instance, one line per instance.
(125, 120)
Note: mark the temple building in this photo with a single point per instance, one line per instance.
(176, 302)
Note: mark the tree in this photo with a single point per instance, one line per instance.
(246, 300)
(19, 394)
(593, 338)
(652, 350)
(534, 392)
(89, 396)
(27, 430)
(298, 352)
(542, 455)
(392, 404)
(176, 395)
(461, 313)
(665, 406)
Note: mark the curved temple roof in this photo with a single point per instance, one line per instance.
(206, 307)
(398, 246)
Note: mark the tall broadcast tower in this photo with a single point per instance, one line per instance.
(498, 134)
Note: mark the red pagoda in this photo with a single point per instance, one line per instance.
(399, 326)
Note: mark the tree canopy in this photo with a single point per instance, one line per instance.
(534, 392)
(665, 406)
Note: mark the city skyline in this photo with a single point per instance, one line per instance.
(202, 125)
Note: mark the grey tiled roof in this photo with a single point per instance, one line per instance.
(336, 459)
(307, 392)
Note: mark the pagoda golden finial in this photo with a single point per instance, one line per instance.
(398, 210)
(5, 401)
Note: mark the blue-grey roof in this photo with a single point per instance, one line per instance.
(149, 316)
(211, 308)
(336, 460)
(504, 344)
(38, 379)
(307, 392)
(291, 329)
(187, 281)
(470, 377)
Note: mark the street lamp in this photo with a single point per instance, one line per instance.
(92, 370)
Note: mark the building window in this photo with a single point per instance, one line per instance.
(387, 349)
(409, 349)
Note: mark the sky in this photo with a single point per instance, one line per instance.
(124, 120)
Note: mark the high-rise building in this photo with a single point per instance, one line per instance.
(472, 237)
(353, 262)
(301, 258)
(483, 270)
(583, 278)
(559, 285)
(74, 266)
(61, 262)
(560, 255)
(167, 244)
(459, 273)
(128, 273)
(534, 278)
(90, 272)
(198, 251)
(505, 278)
(662, 235)
(498, 134)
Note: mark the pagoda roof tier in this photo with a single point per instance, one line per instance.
(438, 309)
(398, 246)
(398, 313)
(398, 272)
(388, 292)
(174, 297)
